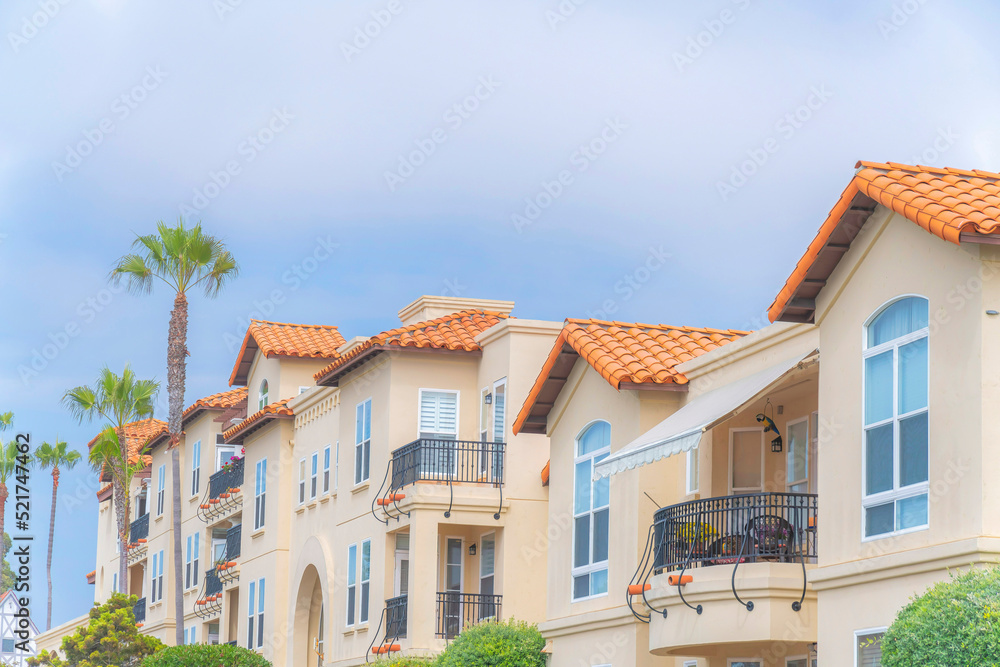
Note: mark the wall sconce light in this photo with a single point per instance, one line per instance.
(489, 399)
(472, 549)
(769, 426)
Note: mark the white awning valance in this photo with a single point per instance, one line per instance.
(683, 430)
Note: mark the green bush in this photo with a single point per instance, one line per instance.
(403, 661)
(956, 623)
(505, 644)
(202, 655)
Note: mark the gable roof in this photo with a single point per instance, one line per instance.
(305, 341)
(456, 332)
(224, 400)
(953, 204)
(627, 355)
(276, 410)
(17, 603)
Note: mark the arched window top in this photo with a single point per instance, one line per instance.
(595, 437)
(262, 401)
(898, 319)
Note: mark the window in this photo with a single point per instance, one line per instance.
(259, 494)
(114, 582)
(868, 648)
(314, 476)
(691, 476)
(223, 454)
(362, 441)
(161, 489)
(800, 661)
(690, 663)
(746, 455)
(255, 614)
(590, 513)
(191, 635)
(326, 469)
(8, 645)
(745, 662)
(156, 578)
(191, 561)
(196, 468)
(499, 410)
(302, 481)
(262, 396)
(336, 468)
(487, 579)
(896, 419)
(439, 426)
(352, 567)
(303, 389)
(797, 456)
(366, 572)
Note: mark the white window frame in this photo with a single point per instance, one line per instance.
(260, 494)
(196, 468)
(263, 391)
(352, 587)
(864, 633)
(458, 410)
(361, 474)
(789, 483)
(600, 565)
(502, 382)
(221, 449)
(897, 493)
(191, 635)
(156, 577)
(192, 560)
(303, 389)
(302, 482)
(692, 471)
(261, 598)
(690, 663)
(731, 661)
(314, 476)
(792, 658)
(364, 582)
(161, 489)
(763, 459)
(336, 468)
(327, 459)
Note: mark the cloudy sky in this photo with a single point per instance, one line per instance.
(633, 160)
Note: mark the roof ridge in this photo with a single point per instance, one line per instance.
(944, 171)
(423, 324)
(293, 324)
(643, 325)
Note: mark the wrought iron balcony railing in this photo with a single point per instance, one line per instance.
(394, 620)
(139, 529)
(440, 460)
(729, 530)
(209, 602)
(227, 568)
(140, 611)
(234, 541)
(456, 611)
(224, 493)
(777, 527)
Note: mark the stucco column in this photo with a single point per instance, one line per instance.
(422, 594)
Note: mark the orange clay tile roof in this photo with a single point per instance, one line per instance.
(137, 434)
(91, 577)
(310, 341)
(545, 473)
(104, 493)
(276, 410)
(946, 202)
(625, 354)
(457, 331)
(221, 401)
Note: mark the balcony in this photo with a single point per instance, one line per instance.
(138, 534)
(728, 571)
(394, 621)
(227, 569)
(209, 603)
(456, 611)
(140, 611)
(224, 495)
(440, 461)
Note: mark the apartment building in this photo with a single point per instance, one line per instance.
(802, 482)
(300, 527)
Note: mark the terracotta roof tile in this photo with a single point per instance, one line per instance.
(221, 401)
(91, 577)
(629, 353)
(278, 409)
(309, 341)
(457, 331)
(137, 434)
(946, 202)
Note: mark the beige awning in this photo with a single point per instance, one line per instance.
(683, 430)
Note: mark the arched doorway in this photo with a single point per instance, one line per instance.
(310, 619)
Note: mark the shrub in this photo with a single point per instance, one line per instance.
(504, 644)
(403, 661)
(956, 623)
(203, 655)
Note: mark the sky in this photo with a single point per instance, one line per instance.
(629, 160)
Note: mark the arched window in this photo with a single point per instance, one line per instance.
(896, 418)
(262, 399)
(590, 513)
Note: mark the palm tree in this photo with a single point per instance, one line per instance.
(52, 456)
(118, 400)
(183, 259)
(6, 419)
(8, 466)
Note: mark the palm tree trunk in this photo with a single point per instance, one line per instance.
(3, 507)
(121, 516)
(52, 530)
(176, 372)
